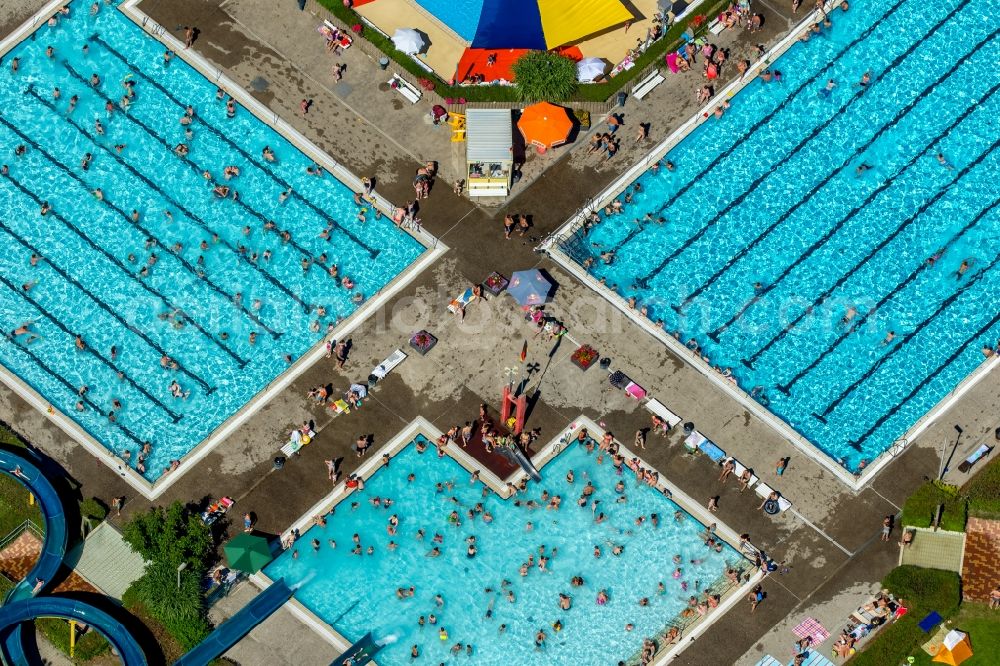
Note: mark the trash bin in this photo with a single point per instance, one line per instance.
(621, 98)
(383, 62)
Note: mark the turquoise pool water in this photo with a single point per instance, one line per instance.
(462, 16)
(357, 593)
(92, 251)
(771, 236)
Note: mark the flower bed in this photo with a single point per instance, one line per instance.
(495, 283)
(584, 357)
(422, 342)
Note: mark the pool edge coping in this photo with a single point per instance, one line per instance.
(549, 452)
(855, 482)
(433, 250)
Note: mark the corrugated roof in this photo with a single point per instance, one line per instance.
(489, 135)
(106, 561)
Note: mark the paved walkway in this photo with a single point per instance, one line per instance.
(829, 540)
(280, 639)
(981, 568)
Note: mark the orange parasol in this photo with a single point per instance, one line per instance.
(545, 125)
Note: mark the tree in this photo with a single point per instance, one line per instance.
(167, 538)
(542, 75)
(170, 536)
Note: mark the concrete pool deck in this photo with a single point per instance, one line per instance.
(834, 558)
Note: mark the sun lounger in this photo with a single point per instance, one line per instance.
(764, 491)
(977, 455)
(714, 453)
(386, 366)
(460, 302)
(716, 27)
(217, 510)
(740, 468)
(658, 408)
(694, 440)
(633, 390)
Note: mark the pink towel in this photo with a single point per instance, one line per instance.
(672, 62)
(635, 391)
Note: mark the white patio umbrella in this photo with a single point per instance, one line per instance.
(408, 40)
(589, 69)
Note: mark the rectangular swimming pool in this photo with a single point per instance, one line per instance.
(462, 16)
(348, 571)
(831, 243)
(136, 299)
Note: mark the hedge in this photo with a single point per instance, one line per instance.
(88, 646)
(983, 492)
(923, 591)
(921, 507)
(597, 92)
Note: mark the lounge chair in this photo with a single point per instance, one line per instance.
(217, 510)
(740, 468)
(460, 302)
(764, 491)
(977, 455)
(386, 366)
(658, 408)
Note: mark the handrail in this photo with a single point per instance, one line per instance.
(26, 524)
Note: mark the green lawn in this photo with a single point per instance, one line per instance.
(14, 507)
(983, 627)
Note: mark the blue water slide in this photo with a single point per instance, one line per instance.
(22, 606)
(227, 634)
(360, 653)
(117, 635)
(54, 543)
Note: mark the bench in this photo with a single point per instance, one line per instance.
(764, 491)
(405, 88)
(738, 470)
(658, 408)
(343, 41)
(386, 366)
(645, 86)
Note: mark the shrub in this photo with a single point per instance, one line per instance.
(543, 75)
(923, 591)
(181, 611)
(93, 508)
(921, 507)
(167, 538)
(983, 492)
(88, 645)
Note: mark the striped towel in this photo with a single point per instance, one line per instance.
(813, 629)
